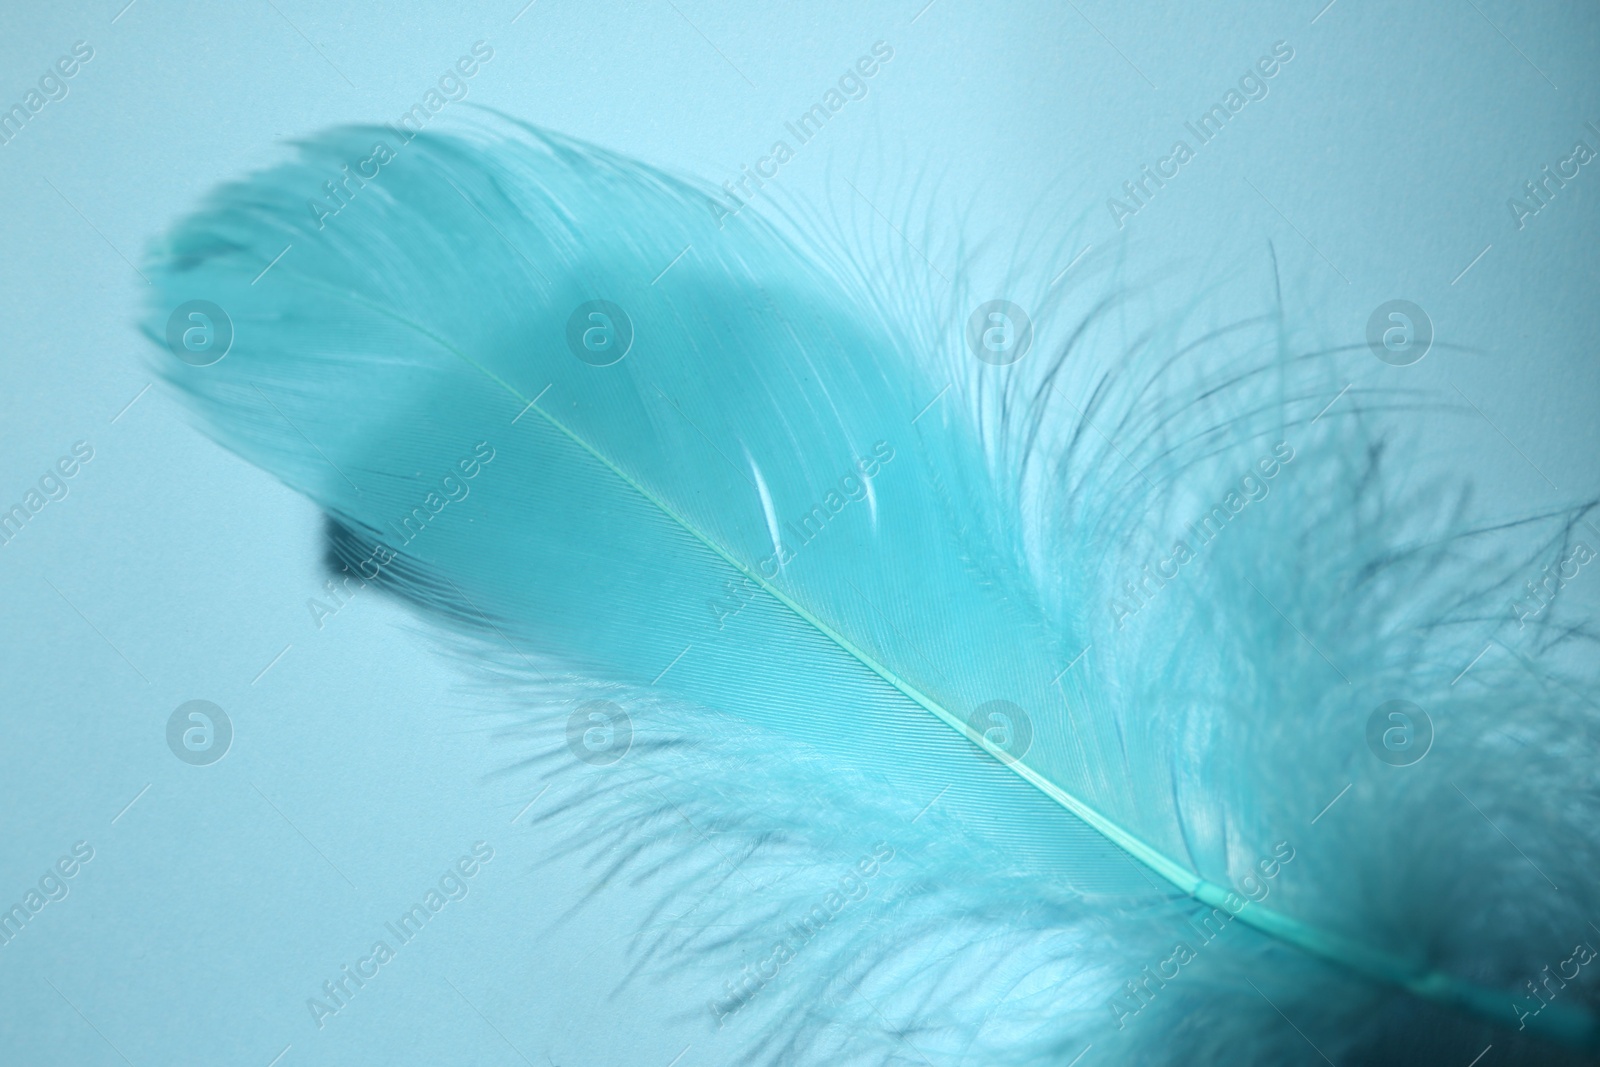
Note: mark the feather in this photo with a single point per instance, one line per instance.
(938, 747)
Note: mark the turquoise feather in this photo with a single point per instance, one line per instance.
(744, 514)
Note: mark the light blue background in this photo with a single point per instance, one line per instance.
(222, 899)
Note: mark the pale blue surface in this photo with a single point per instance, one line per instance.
(205, 920)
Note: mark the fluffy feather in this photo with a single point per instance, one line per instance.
(802, 591)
